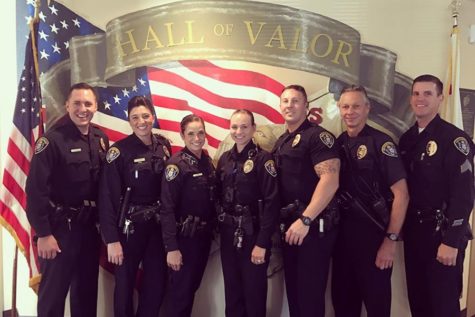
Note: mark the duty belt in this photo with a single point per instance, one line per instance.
(137, 214)
(326, 221)
(83, 214)
(429, 215)
(241, 220)
(188, 226)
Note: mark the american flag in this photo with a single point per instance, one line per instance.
(211, 89)
(27, 127)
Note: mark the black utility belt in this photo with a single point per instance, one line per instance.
(144, 213)
(244, 222)
(82, 214)
(423, 215)
(189, 225)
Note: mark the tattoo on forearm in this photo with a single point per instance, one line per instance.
(331, 166)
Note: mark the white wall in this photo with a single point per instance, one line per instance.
(416, 30)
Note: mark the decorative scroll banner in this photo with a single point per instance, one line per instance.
(242, 30)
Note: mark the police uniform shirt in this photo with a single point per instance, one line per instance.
(296, 154)
(130, 163)
(245, 178)
(64, 170)
(439, 161)
(188, 188)
(369, 163)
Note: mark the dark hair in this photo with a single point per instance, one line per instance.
(355, 88)
(84, 86)
(298, 88)
(432, 79)
(138, 101)
(190, 118)
(245, 111)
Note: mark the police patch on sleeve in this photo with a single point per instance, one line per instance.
(171, 172)
(327, 139)
(112, 154)
(389, 149)
(461, 144)
(270, 168)
(41, 144)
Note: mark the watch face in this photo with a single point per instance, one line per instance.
(392, 236)
(306, 220)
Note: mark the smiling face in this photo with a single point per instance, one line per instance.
(241, 129)
(194, 136)
(81, 106)
(425, 101)
(354, 110)
(141, 121)
(293, 107)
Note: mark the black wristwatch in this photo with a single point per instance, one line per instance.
(306, 220)
(393, 236)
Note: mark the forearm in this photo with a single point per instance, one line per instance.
(399, 206)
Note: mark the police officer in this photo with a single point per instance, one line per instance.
(61, 196)
(439, 160)
(187, 215)
(129, 209)
(375, 198)
(308, 168)
(248, 188)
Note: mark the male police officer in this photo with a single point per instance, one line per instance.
(308, 169)
(372, 175)
(61, 190)
(439, 160)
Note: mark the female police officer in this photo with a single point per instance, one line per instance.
(248, 191)
(188, 209)
(129, 206)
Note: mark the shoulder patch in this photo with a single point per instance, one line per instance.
(112, 154)
(41, 144)
(389, 149)
(171, 172)
(462, 145)
(327, 139)
(270, 168)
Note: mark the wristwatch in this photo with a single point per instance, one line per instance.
(306, 220)
(393, 236)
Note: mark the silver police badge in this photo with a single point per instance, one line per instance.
(248, 166)
(389, 149)
(41, 144)
(112, 154)
(296, 140)
(327, 139)
(270, 168)
(361, 152)
(431, 148)
(461, 144)
(171, 172)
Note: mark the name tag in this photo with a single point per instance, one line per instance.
(197, 174)
(76, 150)
(139, 160)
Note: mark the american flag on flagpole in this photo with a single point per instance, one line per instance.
(27, 127)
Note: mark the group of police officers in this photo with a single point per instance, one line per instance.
(351, 199)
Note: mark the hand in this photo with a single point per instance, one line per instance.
(258, 255)
(174, 260)
(114, 253)
(48, 247)
(447, 255)
(385, 255)
(296, 233)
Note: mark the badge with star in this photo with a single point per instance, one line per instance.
(389, 149)
(112, 154)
